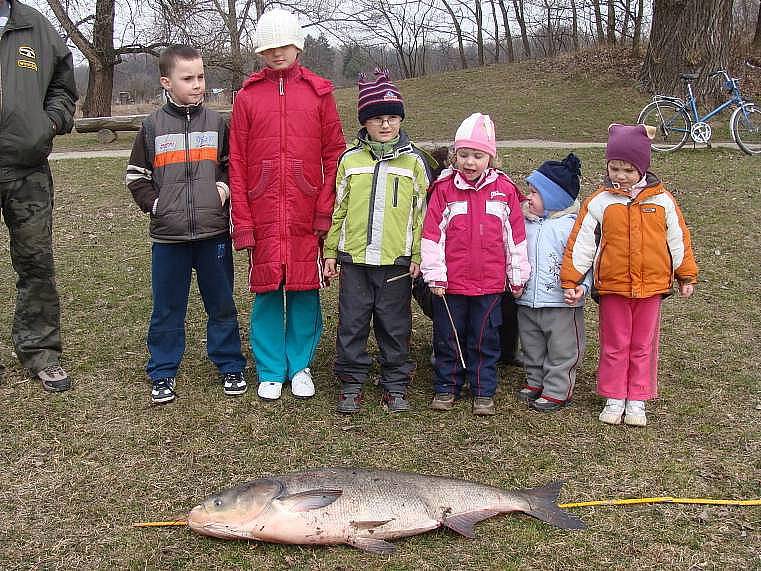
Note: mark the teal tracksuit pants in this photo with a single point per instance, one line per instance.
(284, 332)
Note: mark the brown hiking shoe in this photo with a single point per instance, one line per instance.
(442, 401)
(484, 406)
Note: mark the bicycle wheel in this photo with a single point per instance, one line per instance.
(745, 126)
(671, 122)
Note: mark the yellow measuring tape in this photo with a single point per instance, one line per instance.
(662, 500)
(624, 502)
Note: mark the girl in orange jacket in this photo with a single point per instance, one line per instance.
(632, 233)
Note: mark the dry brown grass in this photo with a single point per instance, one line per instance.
(77, 469)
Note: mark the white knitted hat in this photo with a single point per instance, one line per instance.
(277, 28)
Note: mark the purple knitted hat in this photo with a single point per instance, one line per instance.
(378, 97)
(629, 143)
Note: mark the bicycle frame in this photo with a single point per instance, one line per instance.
(691, 103)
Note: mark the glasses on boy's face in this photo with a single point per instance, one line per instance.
(378, 121)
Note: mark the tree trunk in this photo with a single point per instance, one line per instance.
(687, 36)
(480, 33)
(637, 27)
(496, 31)
(458, 32)
(574, 25)
(519, 16)
(598, 22)
(627, 19)
(550, 39)
(611, 23)
(756, 43)
(100, 85)
(508, 35)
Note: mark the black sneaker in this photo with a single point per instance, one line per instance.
(349, 403)
(163, 390)
(395, 402)
(54, 379)
(234, 384)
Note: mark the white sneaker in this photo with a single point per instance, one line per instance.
(302, 385)
(269, 390)
(613, 411)
(635, 413)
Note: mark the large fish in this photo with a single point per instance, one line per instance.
(364, 508)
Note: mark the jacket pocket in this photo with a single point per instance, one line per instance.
(297, 171)
(264, 180)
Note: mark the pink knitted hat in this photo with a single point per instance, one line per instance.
(476, 132)
(630, 143)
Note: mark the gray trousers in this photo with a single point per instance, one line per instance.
(27, 209)
(364, 295)
(553, 344)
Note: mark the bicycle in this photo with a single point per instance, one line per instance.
(675, 118)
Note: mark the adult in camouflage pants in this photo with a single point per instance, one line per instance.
(37, 98)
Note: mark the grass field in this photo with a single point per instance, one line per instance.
(77, 469)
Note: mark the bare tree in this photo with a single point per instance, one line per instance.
(518, 5)
(687, 36)
(638, 26)
(458, 33)
(598, 21)
(756, 43)
(508, 35)
(93, 35)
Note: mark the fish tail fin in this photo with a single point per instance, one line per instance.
(541, 504)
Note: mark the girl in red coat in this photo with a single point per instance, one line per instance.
(285, 142)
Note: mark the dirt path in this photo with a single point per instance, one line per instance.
(512, 144)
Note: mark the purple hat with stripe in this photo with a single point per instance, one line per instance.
(378, 97)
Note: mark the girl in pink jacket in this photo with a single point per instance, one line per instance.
(473, 247)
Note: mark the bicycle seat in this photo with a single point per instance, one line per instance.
(689, 76)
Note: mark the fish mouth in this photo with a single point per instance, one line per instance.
(201, 522)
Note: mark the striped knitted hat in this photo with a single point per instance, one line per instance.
(378, 97)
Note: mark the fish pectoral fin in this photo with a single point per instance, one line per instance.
(372, 545)
(465, 522)
(365, 525)
(309, 500)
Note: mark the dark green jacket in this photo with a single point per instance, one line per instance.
(37, 91)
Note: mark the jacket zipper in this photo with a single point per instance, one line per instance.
(283, 183)
(371, 210)
(191, 214)
(537, 243)
(396, 190)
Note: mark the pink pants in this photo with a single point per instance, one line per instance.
(629, 334)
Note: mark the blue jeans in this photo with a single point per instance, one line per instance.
(477, 319)
(171, 269)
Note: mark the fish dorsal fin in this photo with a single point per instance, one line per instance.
(309, 500)
(363, 525)
(464, 523)
(372, 545)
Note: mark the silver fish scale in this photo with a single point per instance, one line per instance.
(411, 502)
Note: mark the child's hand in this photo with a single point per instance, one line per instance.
(438, 291)
(224, 192)
(571, 296)
(686, 290)
(517, 292)
(330, 270)
(414, 269)
(320, 233)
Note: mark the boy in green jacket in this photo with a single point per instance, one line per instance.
(375, 237)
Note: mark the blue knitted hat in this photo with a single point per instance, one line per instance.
(557, 182)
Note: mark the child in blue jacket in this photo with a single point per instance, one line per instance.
(551, 332)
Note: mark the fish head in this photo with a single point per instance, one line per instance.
(229, 514)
